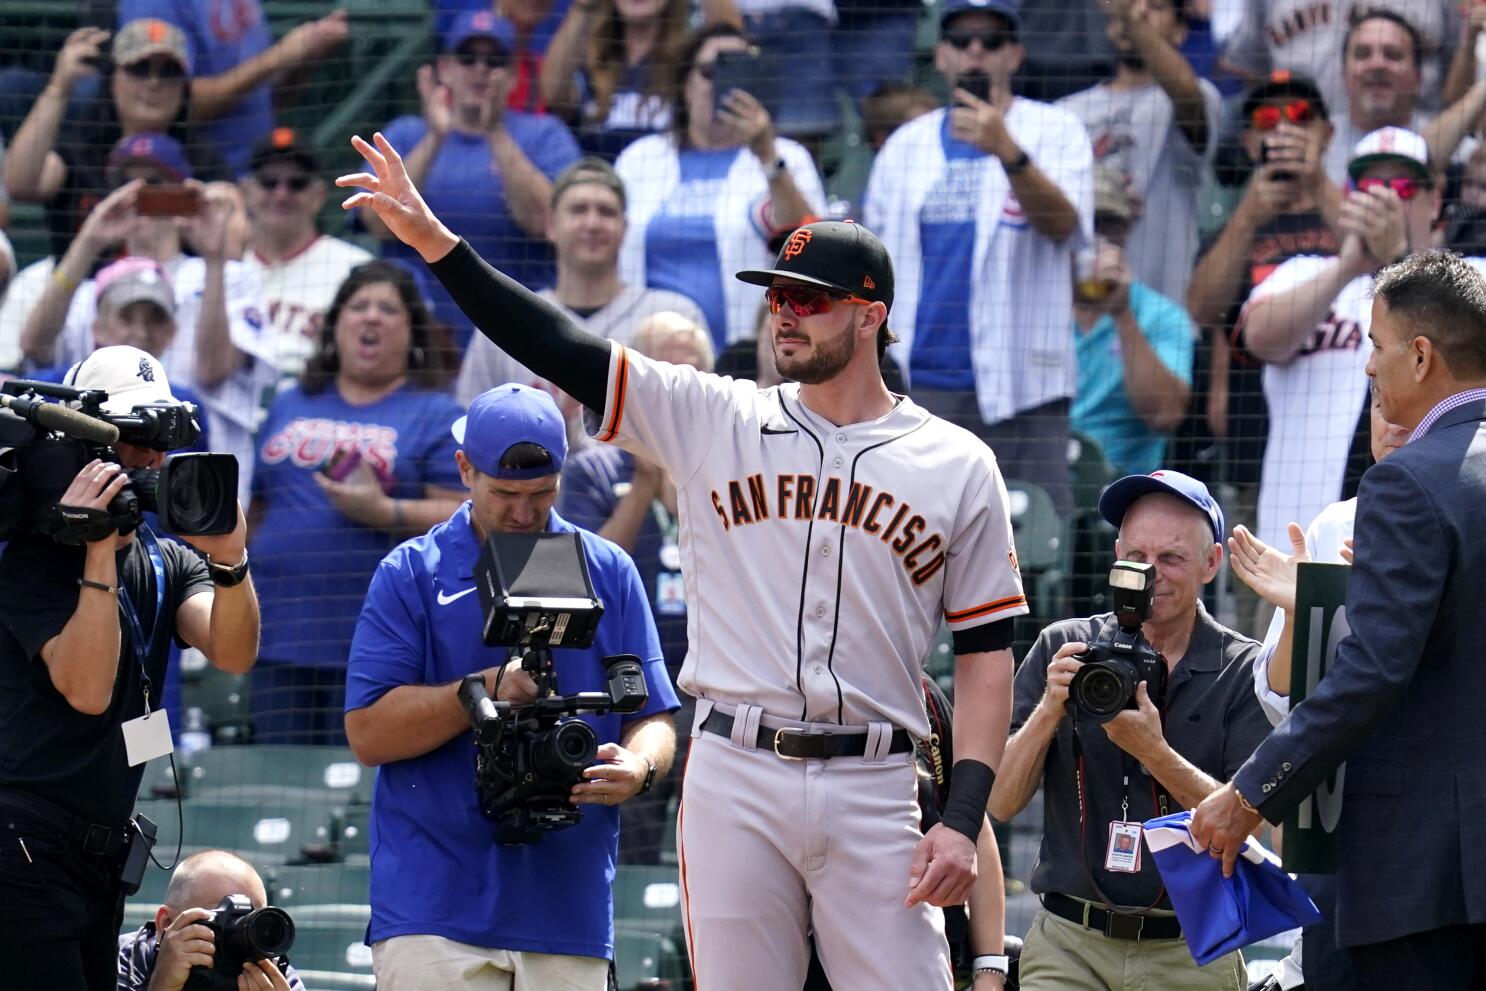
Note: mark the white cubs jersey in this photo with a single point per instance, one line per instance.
(819, 560)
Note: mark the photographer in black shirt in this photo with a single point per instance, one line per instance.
(85, 634)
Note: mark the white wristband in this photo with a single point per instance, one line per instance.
(999, 963)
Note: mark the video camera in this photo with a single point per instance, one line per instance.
(536, 596)
(44, 444)
(1118, 661)
(241, 933)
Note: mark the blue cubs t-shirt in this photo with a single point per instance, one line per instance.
(435, 866)
(311, 563)
(681, 241)
(465, 189)
(940, 358)
(1101, 405)
(219, 36)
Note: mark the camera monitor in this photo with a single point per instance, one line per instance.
(535, 591)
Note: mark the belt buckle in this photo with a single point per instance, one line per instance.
(1117, 926)
(779, 735)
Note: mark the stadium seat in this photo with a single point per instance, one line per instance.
(351, 837)
(318, 884)
(222, 697)
(330, 939)
(648, 897)
(280, 774)
(1093, 538)
(644, 960)
(263, 832)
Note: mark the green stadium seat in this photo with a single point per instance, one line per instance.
(644, 959)
(648, 897)
(222, 698)
(279, 774)
(352, 837)
(263, 832)
(330, 939)
(293, 885)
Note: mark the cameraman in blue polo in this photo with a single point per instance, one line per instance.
(450, 907)
(1106, 920)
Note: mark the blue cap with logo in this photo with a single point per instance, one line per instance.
(1003, 8)
(508, 415)
(159, 150)
(481, 24)
(1122, 493)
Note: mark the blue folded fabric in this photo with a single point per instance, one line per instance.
(1219, 914)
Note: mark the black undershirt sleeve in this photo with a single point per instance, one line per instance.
(990, 636)
(527, 327)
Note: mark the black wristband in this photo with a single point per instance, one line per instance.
(1017, 165)
(100, 586)
(649, 776)
(970, 784)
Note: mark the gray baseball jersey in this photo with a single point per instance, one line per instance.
(819, 560)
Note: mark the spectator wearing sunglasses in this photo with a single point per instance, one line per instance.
(60, 161)
(1309, 321)
(704, 198)
(1317, 41)
(297, 267)
(1279, 216)
(981, 206)
(1155, 123)
(485, 168)
(238, 64)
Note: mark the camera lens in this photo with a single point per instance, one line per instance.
(266, 932)
(197, 493)
(1100, 689)
(561, 754)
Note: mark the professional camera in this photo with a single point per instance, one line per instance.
(241, 933)
(1118, 661)
(537, 596)
(43, 445)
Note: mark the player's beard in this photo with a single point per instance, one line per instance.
(826, 360)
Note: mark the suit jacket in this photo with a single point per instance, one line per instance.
(1404, 702)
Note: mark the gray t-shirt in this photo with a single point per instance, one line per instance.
(1212, 719)
(1305, 37)
(1134, 132)
(486, 366)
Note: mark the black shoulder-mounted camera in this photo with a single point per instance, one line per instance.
(536, 595)
(45, 443)
(1122, 658)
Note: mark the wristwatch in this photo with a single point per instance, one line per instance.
(649, 775)
(227, 575)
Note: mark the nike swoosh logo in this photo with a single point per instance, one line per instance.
(444, 600)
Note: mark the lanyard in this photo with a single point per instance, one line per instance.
(144, 648)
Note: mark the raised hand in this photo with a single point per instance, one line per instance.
(1266, 569)
(78, 56)
(390, 194)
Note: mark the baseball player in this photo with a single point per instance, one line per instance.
(827, 528)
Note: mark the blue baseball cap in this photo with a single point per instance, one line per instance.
(508, 415)
(481, 24)
(1121, 494)
(159, 150)
(1003, 8)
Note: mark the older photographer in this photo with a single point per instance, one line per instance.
(1106, 920)
(450, 906)
(85, 632)
(159, 955)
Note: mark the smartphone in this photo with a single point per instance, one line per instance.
(741, 70)
(340, 464)
(168, 201)
(1264, 160)
(977, 84)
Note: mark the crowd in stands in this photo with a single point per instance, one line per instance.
(1148, 224)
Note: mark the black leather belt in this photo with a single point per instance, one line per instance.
(1115, 925)
(89, 837)
(792, 743)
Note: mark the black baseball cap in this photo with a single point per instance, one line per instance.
(284, 144)
(835, 254)
(1283, 82)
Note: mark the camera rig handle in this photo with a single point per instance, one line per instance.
(487, 716)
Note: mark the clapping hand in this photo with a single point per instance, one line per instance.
(1265, 569)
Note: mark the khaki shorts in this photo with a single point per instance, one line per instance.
(412, 963)
(1059, 955)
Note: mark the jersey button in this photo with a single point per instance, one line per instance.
(820, 612)
(841, 438)
(836, 462)
(825, 550)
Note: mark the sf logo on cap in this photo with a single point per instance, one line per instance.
(796, 243)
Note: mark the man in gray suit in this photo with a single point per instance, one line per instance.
(1404, 702)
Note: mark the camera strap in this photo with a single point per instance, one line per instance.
(144, 648)
(1159, 799)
